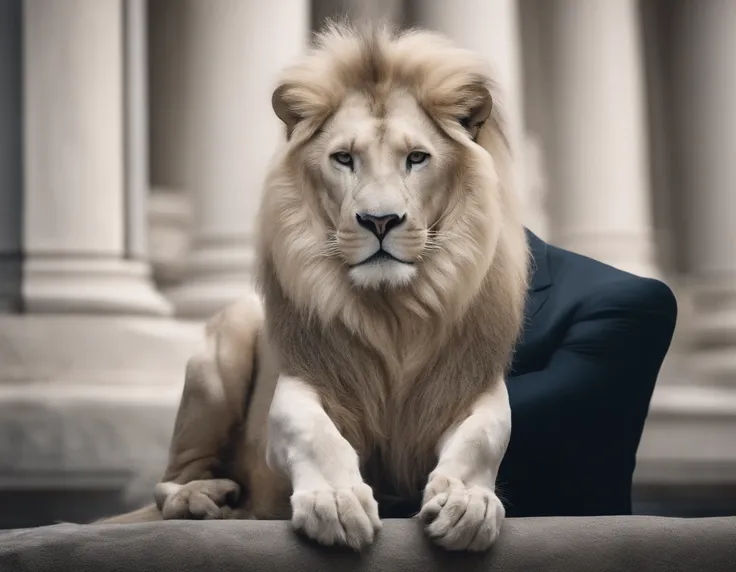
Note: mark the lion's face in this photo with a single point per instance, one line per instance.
(382, 173)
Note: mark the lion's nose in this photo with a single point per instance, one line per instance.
(380, 225)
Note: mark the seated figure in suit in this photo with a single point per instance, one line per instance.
(580, 385)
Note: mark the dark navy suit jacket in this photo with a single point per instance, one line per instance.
(580, 385)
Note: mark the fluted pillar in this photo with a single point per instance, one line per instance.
(706, 113)
(492, 29)
(234, 52)
(90, 344)
(598, 141)
(80, 244)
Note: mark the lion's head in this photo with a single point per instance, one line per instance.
(393, 179)
(377, 172)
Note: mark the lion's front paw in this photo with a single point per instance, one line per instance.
(459, 517)
(347, 516)
(209, 499)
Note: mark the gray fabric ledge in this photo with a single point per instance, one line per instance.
(602, 544)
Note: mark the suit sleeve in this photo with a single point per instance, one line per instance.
(576, 424)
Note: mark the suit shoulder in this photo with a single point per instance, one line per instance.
(600, 284)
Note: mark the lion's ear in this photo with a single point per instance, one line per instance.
(479, 105)
(284, 109)
(302, 110)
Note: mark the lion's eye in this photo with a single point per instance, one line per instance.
(416, 158)
(343, 158)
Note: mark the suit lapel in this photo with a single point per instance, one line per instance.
(541, 279)
(527, 353)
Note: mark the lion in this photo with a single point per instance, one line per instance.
(392, 269)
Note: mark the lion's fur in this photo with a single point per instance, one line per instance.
(394, 371)
(395, 368)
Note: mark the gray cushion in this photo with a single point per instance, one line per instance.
(601, 544)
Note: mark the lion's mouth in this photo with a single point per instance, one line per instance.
(380, 256)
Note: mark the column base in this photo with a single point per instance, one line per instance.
(714, 330)
(218, 273)
(90, 285)
(688, 438)
(686, 463)
(87, 403)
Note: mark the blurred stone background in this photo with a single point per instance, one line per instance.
(134, 136)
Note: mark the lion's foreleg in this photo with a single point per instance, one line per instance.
(197, 482)
(331, 503)
(211, 406)
(204, 420)
(460, 504)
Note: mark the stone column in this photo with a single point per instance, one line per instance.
(687, 455)
(74, 220)
(234, 53)
(167, 57)
(169, 215)
(11, 161)
(533, 24)
(91, 346)
(135, 77)
(492, 28)
(706, 113)
(599, 151)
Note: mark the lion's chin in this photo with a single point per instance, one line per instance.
(389, 273)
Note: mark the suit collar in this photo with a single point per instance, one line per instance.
(541, 278)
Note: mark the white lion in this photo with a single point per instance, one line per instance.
(393, 267)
